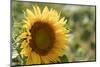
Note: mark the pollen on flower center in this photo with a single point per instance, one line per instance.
(43, 37)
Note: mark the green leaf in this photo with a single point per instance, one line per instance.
(64, 58)
(24, 59)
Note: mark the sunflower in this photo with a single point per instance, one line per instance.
(45, 38)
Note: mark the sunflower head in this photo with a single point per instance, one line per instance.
(45, 36)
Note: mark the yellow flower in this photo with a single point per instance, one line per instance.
(45, 36)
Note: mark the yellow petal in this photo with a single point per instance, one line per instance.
(23, 35)
(38, 11)
(45, 12)
(36, 58)
(35, 11)
(62, 20)
(33, 58)
(29, 14)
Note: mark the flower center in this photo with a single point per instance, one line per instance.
(42, 38)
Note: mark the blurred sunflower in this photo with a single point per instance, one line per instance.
(45, 36)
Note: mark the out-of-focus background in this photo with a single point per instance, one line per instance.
(82, 24)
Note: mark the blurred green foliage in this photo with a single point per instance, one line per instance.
(81, 20)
